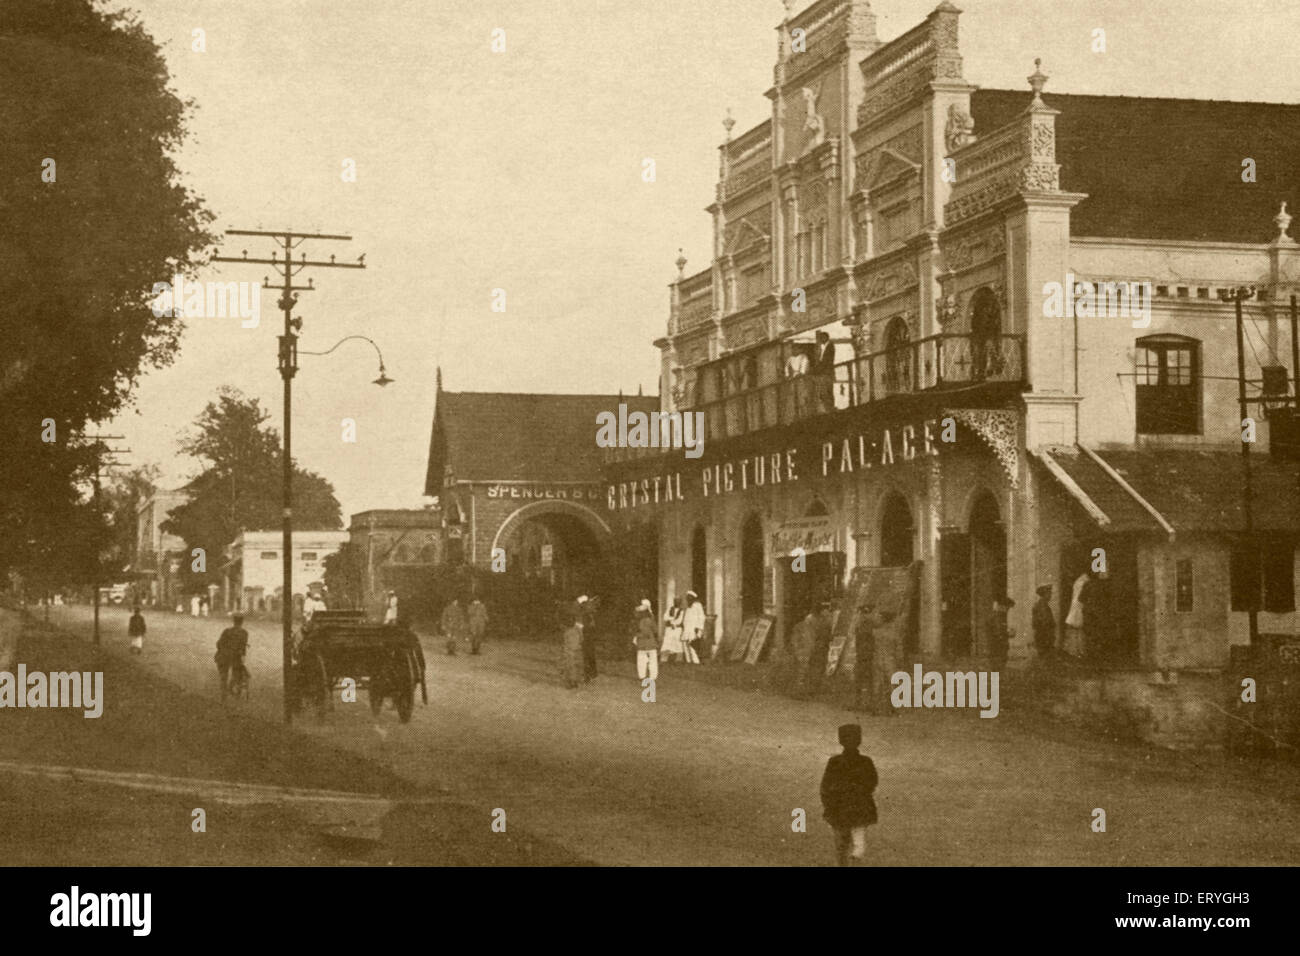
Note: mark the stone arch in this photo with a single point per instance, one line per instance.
(540, 509)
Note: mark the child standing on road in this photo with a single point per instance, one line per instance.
(848, 804)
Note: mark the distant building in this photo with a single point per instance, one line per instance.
(253, 573)
(390, 549)
(158, 554)
(518, 478)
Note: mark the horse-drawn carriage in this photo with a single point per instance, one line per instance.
(385, 659)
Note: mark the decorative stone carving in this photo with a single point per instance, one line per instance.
(960, 130)
(1041, 176)
(887, 282)
(814, 126)
(977, 247)
(1043, 142)
(949, 309)
(999, 430)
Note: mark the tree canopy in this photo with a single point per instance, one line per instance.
(240, 486)
(92, 214)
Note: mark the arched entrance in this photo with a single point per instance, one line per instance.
(554, 551)
(895, 532)
(751, 567)
(988, 541)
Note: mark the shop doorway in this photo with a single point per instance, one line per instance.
(1110, 600)
(804, 590)
(972, 574)
(895, 532)
(988, 539)
(751, 567)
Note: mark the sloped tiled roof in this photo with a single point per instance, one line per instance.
(516, 436)
(1194, 490)
(1169, 169)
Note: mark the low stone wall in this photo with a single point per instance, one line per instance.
(1180, 710)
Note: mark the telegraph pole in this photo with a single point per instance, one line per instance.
(287, 268)
(98, 442)
(1239, 295)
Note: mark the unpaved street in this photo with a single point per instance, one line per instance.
(708, 775)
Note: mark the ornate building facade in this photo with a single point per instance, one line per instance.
(959, 421)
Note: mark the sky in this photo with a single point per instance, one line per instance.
(521, 170)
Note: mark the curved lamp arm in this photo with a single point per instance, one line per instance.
(383, 375)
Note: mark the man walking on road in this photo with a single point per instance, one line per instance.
(647, 642)
(478, 620)
(454, 624)
(587, 618)
(231, 647)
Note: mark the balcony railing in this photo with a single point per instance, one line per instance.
(934, 364)
(931, 364)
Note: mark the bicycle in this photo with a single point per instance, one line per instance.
(239, 680)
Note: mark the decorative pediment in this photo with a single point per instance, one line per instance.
(741, 235)
(889, 281)
(882, 167)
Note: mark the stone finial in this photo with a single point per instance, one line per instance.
(728, 124)
(681, 265)
(1283, 222)
(1037, 81)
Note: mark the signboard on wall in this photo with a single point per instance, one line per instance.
(741, 643)
(889, 590)
(811, 535)
(762, 631)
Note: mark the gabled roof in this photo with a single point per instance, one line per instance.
(1167, 169)
(516, 436)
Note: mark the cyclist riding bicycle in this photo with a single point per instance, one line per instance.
(231, 647)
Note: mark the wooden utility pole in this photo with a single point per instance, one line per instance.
(287, 269)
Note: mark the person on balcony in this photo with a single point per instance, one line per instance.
(823, 370)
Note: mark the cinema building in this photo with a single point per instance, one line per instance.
(967, 425)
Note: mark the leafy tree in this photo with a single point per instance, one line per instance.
(241, 485)
(92, 214)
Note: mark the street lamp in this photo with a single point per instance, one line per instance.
(383, 374)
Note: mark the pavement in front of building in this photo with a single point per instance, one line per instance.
(710, 774)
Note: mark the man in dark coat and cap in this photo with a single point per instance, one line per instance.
(848, 804)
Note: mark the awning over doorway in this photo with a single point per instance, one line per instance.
(1169, 490)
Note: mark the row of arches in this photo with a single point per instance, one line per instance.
(972, 568)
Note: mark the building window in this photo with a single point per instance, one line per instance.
(309, 555)
(1262, 574)
(270, 555)
(1183, 586)
(1168, 386)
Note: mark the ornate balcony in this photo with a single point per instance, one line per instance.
(934, 364)
(767, 387)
